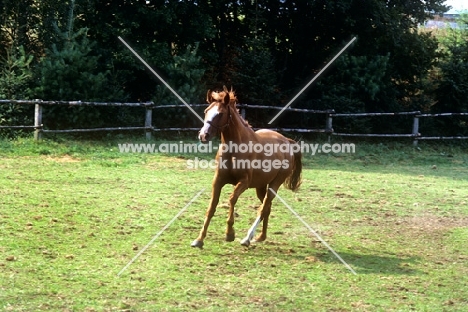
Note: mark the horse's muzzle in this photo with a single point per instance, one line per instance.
(204, 137)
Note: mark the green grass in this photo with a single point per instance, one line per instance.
(73, 214)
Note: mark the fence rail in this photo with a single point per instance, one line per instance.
(376, 114)
(150, 106)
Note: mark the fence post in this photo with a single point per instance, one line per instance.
(415, 129)
(38, 121)
(329, 126)
(148, 121)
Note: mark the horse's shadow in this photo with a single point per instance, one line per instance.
(373, 263)
(365, 262)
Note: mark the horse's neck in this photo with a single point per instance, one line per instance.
(237, 131)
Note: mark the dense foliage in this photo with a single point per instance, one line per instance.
(268, 50)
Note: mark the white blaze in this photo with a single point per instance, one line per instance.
(209, 116)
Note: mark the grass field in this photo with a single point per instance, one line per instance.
(73, 214)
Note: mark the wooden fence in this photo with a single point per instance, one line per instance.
(148, 127)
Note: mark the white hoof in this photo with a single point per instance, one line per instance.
(198, 244)
(245, 242)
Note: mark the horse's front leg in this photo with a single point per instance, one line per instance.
(216, 190)
(238, 190)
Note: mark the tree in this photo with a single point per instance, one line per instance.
(157, 30)
(453, 85)
(15, 78)
(266, 49)
(254, 75)
(302, 36)
(16, 74)
(69, 71)
(184, 74)
(19, 21)
(452, 91)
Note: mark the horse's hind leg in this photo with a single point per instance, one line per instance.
(265, 210)
(261, 192)
(263, 215)
(238, 190)
(209, 214)
(262, 195)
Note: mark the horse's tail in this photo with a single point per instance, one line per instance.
(293, 181)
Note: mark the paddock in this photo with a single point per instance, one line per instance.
(73, 214)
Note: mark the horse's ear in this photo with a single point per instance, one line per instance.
(227, 99)
(209, 98)
(225, 89)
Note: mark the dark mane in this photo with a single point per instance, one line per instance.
(233, 102)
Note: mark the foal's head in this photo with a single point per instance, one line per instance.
(217, 115)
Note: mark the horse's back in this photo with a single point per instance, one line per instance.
(270, 135)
